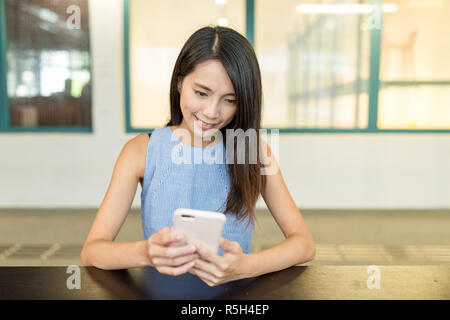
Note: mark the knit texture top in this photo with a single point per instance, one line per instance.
(178, 175)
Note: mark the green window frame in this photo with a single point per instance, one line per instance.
(373, 81)
(4, 105)
(5, 126)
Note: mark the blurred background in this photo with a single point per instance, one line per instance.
(358, 89)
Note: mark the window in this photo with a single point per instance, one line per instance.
(314, 65)
(415, 66)
(153, 41)
(322, 70)
(47, 62)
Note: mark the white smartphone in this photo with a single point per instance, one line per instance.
(199, 226)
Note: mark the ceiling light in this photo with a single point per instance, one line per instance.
(223, 22)
(343, 8)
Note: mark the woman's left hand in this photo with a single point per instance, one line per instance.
(214, 269)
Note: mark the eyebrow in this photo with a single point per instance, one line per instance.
(208, 89)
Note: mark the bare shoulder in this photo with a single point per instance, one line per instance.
(136, 148)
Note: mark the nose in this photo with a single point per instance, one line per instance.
(211, 112)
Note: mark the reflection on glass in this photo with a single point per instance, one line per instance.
(314, 64)
(415, 68)
(48, 64)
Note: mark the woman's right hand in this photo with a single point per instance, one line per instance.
(169, 252)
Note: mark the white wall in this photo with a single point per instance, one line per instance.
(71, 170)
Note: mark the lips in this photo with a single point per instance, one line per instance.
(204, 125)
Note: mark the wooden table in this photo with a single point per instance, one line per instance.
(295, 283)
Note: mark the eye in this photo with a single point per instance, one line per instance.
(202, 94)
(231, 101)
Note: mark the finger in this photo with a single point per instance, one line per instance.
(177, 270)
(208, 267)
(178, 243)
(179, 237)
(208, 254)
(229, 246)
(205, 276)
(209, 283)
(175, 262)
(165, 236)
(171, 252)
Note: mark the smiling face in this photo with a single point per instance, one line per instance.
(207, 101)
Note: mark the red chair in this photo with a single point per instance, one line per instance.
(406, 49)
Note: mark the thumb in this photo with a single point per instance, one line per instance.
(229, 245)
(166, 236)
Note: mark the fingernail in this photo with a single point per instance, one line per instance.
(178, 237)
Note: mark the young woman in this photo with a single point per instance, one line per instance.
(215, 86)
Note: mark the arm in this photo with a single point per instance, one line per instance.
(234, 264)
(298, 247)
(99, 249)
(111, 255)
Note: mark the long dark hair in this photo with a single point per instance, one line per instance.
(239, 60)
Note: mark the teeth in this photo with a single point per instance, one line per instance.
(205, 123)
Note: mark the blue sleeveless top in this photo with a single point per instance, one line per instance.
(181, 176)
